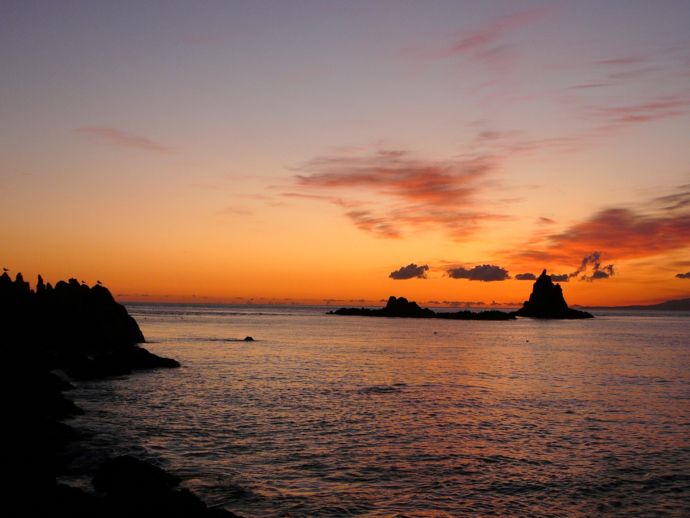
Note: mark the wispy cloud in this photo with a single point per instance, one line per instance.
(683, 275)
(657, 226)
(409, 192)
(485, 42)
(647, 111)
(121, 138)
(380, 226)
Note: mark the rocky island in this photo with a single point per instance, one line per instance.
(547, 301)
(400, 307)
(51, 335)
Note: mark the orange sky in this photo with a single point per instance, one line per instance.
(304, 152)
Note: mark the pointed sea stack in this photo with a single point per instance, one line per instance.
(546, 301)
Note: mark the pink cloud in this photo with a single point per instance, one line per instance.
(410, 193)
(121, 138)
(623, 60)
(484, 42)
(659, 226)
(648, 111)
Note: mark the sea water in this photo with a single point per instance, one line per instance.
(325, 415)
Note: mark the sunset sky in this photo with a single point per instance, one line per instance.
(298, 151)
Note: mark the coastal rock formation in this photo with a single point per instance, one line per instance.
(132, 487)
(547, 301)
(72, 327)
(80, 331)
(400, 307)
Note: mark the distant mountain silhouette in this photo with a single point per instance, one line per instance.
(669, 305)
(400, 307)
(547, 301)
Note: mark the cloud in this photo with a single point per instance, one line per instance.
(648, 111)
(593, 262)
(655, 227)
(486, 41)
(560, 277)
(394, 173)
(525, 277)
(382, 227)
(332, 199)
(674, 202)
(484, 272)
(623, 60)
(409, 193)
(121, 138)
(683, 275)
(411, 271)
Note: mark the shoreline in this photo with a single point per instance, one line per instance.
(55, 336)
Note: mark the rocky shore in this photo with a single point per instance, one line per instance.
(51, 336)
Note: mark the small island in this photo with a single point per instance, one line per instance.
(545, 301)
(400, 307)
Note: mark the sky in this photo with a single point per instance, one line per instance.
(341, 152)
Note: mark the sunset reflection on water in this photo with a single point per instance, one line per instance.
(328, 415)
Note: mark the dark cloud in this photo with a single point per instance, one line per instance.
(592, 262)
(411, 271)
(525, 277)
(683, 275)
(560, 277)
(483, 272)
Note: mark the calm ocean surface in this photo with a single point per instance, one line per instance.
(343, 416)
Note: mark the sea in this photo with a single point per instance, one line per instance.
(326, 415)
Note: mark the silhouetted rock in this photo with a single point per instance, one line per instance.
(402, 308)
(491, 314)
(67, 328)
(126, 474)
(133, 487)
(248, 339)
(72, 327)
(547, 301)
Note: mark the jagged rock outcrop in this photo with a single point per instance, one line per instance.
(73, 328)
(547, 301)
(400, 307)
(70, 324)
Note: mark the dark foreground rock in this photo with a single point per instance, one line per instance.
(64, 326)
(80, 331)
(547, 301)
(130, 487)
(400, 307)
